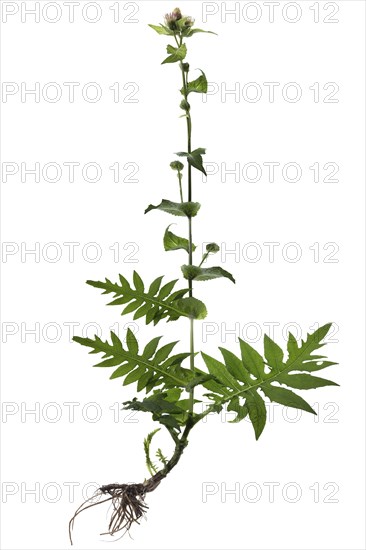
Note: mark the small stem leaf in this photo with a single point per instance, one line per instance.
(173, 242)
(192, 272)
(192, 308)
(287, 398)
(257, 412)
(187, 209)
(194, 31)
(161, 29)
(304, 381)
(195, 158)
(199, 85)
(176, 54)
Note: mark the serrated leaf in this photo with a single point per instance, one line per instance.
(252, 360)
(187, 209)
(164, 352)
(287, 398)
(134, 375)
(257, 412)
(150, 348)
(155, 285)
(235, 366)
(176, 54)
(273, 354)
(131, 342)
(195, 158)
(220, 372)
(303, 381)
(241, 410)
(137, 281)
(192, 272)
(173, 242)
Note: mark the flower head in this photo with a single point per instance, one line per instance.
(172, 18)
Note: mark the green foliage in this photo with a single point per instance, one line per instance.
(173, 242)
(195, 159)
(147, 443)
(187, 209)
(237, 381)
(191, 32)
(199, 85)
(241, 383)
(162, 29)
(166, 407)
(176, 54)
(151, 368)
(192, 272)
(156, 303)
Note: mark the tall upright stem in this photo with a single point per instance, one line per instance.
(190, 248)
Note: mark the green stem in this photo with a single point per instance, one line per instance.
(190, 247)
(180, 185)
(204, 257)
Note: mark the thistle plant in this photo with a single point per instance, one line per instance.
(172, 385)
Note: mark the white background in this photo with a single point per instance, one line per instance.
(45, 295)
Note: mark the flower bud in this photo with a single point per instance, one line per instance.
(184, 105)
(185, 67)
(172, 18)
(189, 22)
(176, 165)
(212, 248)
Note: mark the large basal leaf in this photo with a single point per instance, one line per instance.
(176, 54)
(195, 158)
(150, 368)
(199, 85)
(173, 242)
(188, 209)
(192, 272)
(154, 303)
(239, 379)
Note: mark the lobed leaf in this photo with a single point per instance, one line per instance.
(238, 381)
(156, 303)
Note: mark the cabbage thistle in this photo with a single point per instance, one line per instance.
(167, 381)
